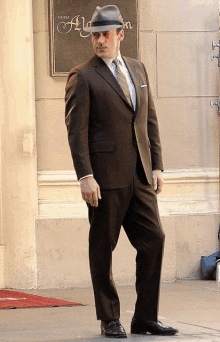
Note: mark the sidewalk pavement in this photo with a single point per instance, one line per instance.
(191, 306)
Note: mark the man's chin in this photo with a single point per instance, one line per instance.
(102, 54)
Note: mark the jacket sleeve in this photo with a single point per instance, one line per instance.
(77, 108)
(153, 131)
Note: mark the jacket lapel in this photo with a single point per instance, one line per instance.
(103, 70)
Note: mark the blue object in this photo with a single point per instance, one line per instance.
(208, 266)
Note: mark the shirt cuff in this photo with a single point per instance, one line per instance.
(85, 177)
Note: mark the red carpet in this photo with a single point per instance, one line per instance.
(12, 299)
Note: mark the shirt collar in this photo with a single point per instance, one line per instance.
(108, 61)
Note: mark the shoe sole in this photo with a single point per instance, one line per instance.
(152, 333)
(113, 336)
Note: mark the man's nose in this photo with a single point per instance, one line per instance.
(101, 39)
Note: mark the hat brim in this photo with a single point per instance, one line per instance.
(101, 28)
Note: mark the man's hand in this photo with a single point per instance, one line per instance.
(90, 190)
(158, 181)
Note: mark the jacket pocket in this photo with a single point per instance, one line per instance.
(101, 146)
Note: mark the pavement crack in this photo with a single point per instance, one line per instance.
(199, 326)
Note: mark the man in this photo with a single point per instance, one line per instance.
(114, 141)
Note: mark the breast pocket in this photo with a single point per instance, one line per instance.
(143, 96)
(144, 89)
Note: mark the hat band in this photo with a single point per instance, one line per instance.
(106, 23)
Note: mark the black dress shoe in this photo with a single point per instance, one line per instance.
(155, 328)
(113, 329)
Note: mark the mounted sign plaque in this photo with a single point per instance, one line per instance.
(70, 45)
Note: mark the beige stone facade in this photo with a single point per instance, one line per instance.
(44, 228)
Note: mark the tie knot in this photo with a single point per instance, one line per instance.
(116, 62)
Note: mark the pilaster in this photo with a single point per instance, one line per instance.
(18, 146)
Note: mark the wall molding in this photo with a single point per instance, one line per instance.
(55, 178)
(170, 176)
(204, 175)
(185, 192)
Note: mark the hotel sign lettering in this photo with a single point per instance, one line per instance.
(70, 45)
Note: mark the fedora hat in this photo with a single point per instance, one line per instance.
(105, 18)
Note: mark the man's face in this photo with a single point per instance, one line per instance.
(107, 44)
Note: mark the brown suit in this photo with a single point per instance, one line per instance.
(103, 129)
(120, 147)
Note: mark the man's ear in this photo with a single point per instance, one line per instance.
(121, 35)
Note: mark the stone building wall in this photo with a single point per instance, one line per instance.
(44, 228)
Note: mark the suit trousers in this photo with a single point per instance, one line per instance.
(135, 208)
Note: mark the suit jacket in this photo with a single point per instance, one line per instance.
(105, 134)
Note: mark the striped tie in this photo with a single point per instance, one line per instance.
(122, 81)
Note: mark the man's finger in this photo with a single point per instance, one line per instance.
(99, 193)
(94, 199)
(95, 203)
(84, 197)
(159, 185)
(91, 202)
(155, 184)
(159, 189)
